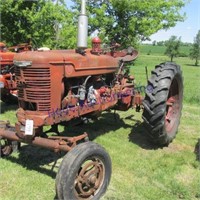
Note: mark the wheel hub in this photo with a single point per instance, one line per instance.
(92, 180)
(173, 108)
(89, 178)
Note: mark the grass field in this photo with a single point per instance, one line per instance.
(140, 171)
(160, 50)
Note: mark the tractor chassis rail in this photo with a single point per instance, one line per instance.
(56, 143)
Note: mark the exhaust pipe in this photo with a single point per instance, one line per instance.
(82, 27)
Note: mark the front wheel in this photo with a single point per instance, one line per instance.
(84, 173)
(163, 103)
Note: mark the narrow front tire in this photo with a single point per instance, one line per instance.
(84, 173)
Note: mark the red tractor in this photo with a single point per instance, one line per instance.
(7, 78)
(7, 75)
(60, 85)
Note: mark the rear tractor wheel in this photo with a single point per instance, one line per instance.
(163, 103)
(84, 173)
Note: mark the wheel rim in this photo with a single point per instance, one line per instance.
(89, 178)
(173, 107)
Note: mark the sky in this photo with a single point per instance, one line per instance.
(187, 30)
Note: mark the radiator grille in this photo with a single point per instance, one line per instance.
(17, 72)
(34, 86)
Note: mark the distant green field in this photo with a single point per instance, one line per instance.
(152, 50)
(191, 74)
(140, 170)
(160, 50)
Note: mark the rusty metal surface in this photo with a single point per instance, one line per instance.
(72, 63)
(53, 116)
(124, 55)
(61, 85)
(89, 178)
(138, 98)
(9, 81)
(55, 143)
(6, 58)
(7, 77)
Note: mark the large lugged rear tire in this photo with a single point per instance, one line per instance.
(163, 103)
(84, 173)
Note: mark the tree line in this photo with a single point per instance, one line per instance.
(53, 23)
(173, 48)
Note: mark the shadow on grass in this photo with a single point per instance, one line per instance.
(192, 65)
(139, 136)
(106, 123)
(44, 160)
(34, 158)
(4, 107)
(197, 150)
(112, 122)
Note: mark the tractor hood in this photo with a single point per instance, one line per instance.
(59, 57)
(74, 64)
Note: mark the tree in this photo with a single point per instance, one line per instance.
(195, 50)
(154, 43)
(173, 47)
(161, 43)
(51, 23)
(130, 21)
(44, 22)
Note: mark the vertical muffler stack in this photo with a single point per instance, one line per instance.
(82, 27)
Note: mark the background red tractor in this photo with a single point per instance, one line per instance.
(7, 75)
(62, 85)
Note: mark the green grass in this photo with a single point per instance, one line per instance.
(152, 50)
(139, 170)
(160, 50)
